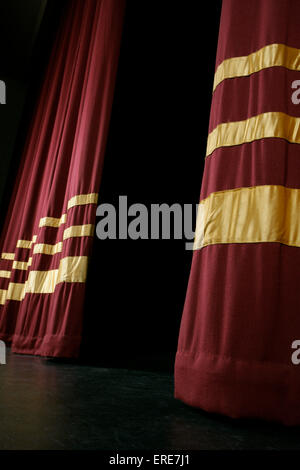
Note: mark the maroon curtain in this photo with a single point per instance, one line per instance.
(242, 309)
(49, 227)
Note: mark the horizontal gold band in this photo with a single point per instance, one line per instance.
(23, 265)
(73, 231)
(9, 256)
(2, 296)
(71, 269)
(24, 244)
(78, 200)
(256, 214)
(81, 199)
(47, 249)
(70, 232)
(79, 231)
(5, 274)
(273, 55)
(53, 221)
(273, 124)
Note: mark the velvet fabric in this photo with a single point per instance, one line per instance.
(46, 240)
(241, 314)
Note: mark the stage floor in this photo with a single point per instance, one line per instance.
(56, 405)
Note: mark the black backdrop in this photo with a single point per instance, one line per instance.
(155, 154)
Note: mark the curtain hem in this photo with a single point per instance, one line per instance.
(239, 388)
(49, 345)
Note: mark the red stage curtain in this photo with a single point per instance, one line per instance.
(242, 309)
(48, 231)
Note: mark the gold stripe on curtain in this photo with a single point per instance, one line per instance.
(71, 269)
(78, 200)
(8, 256)
(269, 213)
(272, 55)
(265, 125)
(4, 273)
(69, 232)
(85, 230)
(47, 249)
(23, 265)
(53, 221)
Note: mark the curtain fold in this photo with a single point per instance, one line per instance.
(241, 314)
(48, 232)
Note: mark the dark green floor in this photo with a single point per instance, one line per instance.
(49, 405)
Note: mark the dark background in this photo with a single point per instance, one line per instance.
(155, 154)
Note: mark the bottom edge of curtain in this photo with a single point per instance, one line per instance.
(47, 346)
(239, 389)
